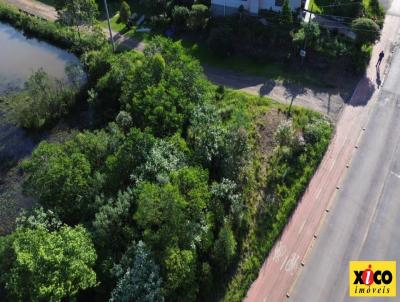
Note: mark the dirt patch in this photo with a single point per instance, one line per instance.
(12, 201)
(266, 128)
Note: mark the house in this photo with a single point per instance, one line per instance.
(227, 7)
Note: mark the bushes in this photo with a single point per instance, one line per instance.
(41, 265)
(198, 17)
(284, 183)
(124, 12)
(191, 202)
(361, 58)
(180, 15)
(367, 30)
(42, 102)
(64, 37)
(220, 41)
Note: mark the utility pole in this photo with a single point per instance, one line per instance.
(224, 8)
(109, 25)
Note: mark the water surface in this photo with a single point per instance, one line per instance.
(20, 56)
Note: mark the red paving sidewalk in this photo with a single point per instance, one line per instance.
(279, 271)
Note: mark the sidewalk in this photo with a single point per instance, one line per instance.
(279, 271)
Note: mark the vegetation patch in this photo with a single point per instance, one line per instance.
(178, 194)
(65, 37)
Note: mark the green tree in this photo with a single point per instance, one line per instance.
(62, 181)
(367, 30)
(108, 88)
(163, 158)
(42, 101)
(173, 214)
(38, 218)
(123, 167)
(113, 223)
(225, 247)
(124, 12)
(180, 15)
(309, 33)
(198, 17)
(39, 265)
(141, 282)
(77, 12)
(164, 90)
(180, 282)
(286, 17)
(376, 8)
(161, 215)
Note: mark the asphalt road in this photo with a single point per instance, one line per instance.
(364, 218)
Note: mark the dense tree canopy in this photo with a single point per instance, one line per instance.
(42, 265)
(141, 282)
(164, 188)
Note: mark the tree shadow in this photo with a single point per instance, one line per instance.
(363, 92)
(267, 87)
(292, 91)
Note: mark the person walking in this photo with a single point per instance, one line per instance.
(381, 56)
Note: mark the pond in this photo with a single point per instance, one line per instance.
(19, 57)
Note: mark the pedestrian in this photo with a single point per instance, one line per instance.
(381, 56)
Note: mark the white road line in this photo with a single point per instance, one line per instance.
(395, 174)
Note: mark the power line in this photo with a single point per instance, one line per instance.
(338, 5)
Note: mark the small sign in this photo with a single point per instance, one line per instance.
(302, 53)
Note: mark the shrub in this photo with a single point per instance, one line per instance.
(361, 58)
(43, 101)
(180, 15)
(376, 8)
(367, 30)
(124, 12)
(55, 33)
(220, 41)
(198, 17)
(286, 17)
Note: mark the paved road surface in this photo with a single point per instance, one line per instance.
(282, 266)
(364, 219)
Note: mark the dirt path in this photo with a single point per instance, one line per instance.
(35, 8)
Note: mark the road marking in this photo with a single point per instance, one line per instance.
(302, 226)
(319, 193)
(333, 163)
(292, 263)
(279, 252)
(283, 264)
(395, 174)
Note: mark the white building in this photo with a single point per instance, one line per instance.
(221, 7)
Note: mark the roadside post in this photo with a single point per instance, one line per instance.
(109, 25)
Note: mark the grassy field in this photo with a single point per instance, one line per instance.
(116, 25)
(268, 218)
(270, 70)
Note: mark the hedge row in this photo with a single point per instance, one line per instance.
(52, 32)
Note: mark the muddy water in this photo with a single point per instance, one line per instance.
(19, 57)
